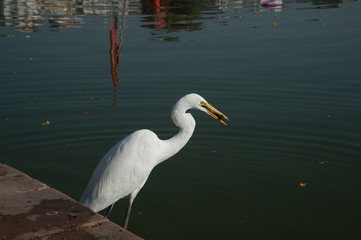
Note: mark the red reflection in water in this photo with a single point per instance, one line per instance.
(160, 9)
(114, 51)
(114, 56)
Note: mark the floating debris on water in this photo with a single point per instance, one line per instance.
(45, 123)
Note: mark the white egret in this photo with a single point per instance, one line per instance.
(124, 169)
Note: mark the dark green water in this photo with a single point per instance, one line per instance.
(288, 78)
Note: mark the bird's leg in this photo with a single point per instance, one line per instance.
(128, 213)
(109, 209)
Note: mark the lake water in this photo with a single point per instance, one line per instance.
(288, 165)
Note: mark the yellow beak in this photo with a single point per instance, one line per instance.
(213, 112)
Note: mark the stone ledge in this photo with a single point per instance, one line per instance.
(29, 209)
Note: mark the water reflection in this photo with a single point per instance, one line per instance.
(159, 10)
(166, 15)
(172, 15)
(29, 15)
(327, 3)
(114, 52)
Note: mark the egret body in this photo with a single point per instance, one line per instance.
(125, 168)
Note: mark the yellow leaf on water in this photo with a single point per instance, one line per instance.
(302, 184)
(45, 123)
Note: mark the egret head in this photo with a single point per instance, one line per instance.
(201, 104)
(213, 112)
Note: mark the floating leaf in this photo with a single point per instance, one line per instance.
(45, 123)
(302, 184)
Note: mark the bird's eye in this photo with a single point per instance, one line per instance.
(203, 104)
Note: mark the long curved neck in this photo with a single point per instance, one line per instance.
(186, 123)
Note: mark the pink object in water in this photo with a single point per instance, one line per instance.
(270, 4)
